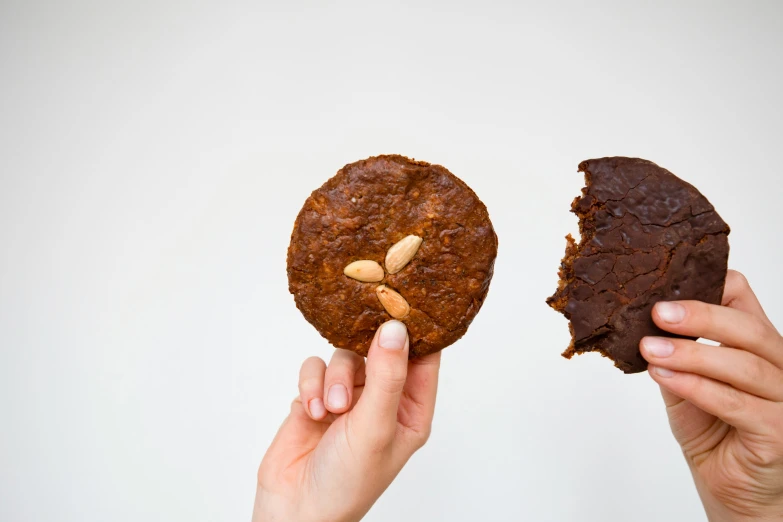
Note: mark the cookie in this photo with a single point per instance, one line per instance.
(646, 236)
(390, 237)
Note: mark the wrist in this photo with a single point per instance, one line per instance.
(726, 516)
(719, 512)
(269, 507)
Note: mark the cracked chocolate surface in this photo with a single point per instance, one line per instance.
(362, 211)
(647, 236)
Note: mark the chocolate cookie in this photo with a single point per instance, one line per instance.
(647, 236)
(391, 237)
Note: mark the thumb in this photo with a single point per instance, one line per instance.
(375, 414)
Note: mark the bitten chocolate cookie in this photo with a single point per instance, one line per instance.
(647, 236)
(390, 237)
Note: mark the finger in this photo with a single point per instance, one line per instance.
(311, 387)
(723, 324)
(738, 408)
(738, 294)
(688, 422)
(386, 370)
(339, 380)
(298, 435)
(417, 406)
(670, 399)
(360, 378)
(743, 370)
(357, 394)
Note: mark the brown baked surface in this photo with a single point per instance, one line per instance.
(362, 211)
(646, 236)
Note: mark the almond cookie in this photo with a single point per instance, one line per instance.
(390, 237)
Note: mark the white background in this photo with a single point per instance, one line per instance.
(154, 155)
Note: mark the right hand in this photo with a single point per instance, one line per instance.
(725, 403)
(349, 433)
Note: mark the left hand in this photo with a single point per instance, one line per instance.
(349, 433)
(725, 403)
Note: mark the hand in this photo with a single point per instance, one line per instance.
(349, 433)
(725, 404)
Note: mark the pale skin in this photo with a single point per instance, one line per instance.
(352, 428)
(337, 452)
(725, 404)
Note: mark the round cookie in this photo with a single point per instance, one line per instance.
(434, 280)
(647, 236)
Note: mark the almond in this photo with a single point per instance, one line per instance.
(394, 303)
(401, 253)
(365, 270)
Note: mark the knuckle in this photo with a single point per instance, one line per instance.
(310, 364)
(296, 403)
(343, 360)
(336, 376)
(755, 370)
(421, 437)
(313, 359)
(309, 385)
(690, 386)
(706, 314)
(760, 332)
(732, 400)
(341, 369)
(389, 380)
(692, 354)
(738, 278)
(699, 317)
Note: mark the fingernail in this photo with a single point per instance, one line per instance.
(672, 313)
(338, 396)
(658, 346)
(662, 372)
(393, 335)
(317, 409)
